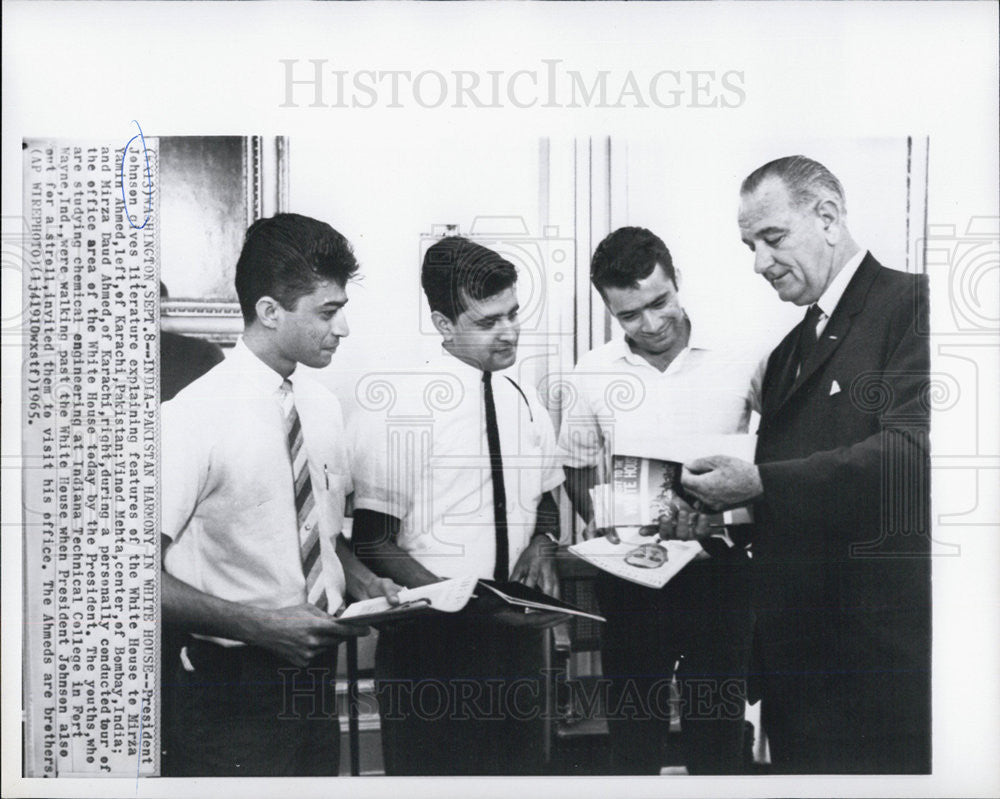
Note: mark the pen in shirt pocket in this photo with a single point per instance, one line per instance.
(326, 477)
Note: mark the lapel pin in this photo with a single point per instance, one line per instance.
(832, 338)
(834, 388)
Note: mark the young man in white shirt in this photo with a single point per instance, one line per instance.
(678, 386)
(455, 478)
(255, 476)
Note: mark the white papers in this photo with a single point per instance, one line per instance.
(448, 595)
(612, 557)
(647, 443)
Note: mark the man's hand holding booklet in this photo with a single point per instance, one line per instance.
(650, 527)
(447, 596)
(509, 602)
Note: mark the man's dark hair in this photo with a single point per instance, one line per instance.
(285, 256)
(454, 265)
(806, 180)
(629, 255)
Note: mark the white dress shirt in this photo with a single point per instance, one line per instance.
(227, 494)
(419, 453)
(831, 297)
(616, 396)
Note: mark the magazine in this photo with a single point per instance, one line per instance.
(641, 491)
(645, 560)
(644, 489)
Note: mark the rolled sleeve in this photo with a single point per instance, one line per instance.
(552, 475)
(580, 436)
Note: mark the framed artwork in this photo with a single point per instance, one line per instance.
(211, 188)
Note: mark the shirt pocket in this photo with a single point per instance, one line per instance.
(330, 496)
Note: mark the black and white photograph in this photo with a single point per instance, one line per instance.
(342, 362)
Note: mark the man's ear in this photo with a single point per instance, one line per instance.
(268, 311)
(444, 325)
(831, 219)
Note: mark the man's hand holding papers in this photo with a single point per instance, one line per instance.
(645, 498)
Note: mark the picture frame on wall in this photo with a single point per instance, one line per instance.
(212, 188)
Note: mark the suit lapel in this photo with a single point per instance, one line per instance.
(834, 333)
(780, 373)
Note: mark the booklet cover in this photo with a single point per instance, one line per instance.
(668, 445)
(451, 596)
(644, 489)
(640, 559)
(640, 491)
(447, 596)
(519, 595)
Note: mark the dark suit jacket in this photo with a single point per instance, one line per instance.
(843, 532)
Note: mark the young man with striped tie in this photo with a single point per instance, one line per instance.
(255, 475)
(456, 478)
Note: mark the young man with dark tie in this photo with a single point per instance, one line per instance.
(455, 478)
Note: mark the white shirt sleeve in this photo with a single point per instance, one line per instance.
(552, 473)
(580, 435)
(339, 436)
(184, 465)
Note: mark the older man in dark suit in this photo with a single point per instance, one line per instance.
(840, 489)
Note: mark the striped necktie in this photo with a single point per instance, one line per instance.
(305, 503)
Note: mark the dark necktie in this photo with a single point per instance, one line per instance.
(502, 569)
(807, 335)
(305, 503)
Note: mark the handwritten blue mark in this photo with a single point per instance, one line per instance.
(149, 178)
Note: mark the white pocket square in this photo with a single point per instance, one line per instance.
(834, 388)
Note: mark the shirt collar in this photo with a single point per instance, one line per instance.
(619, 348)
(252, 369)
(828, 301)
(466, 370)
